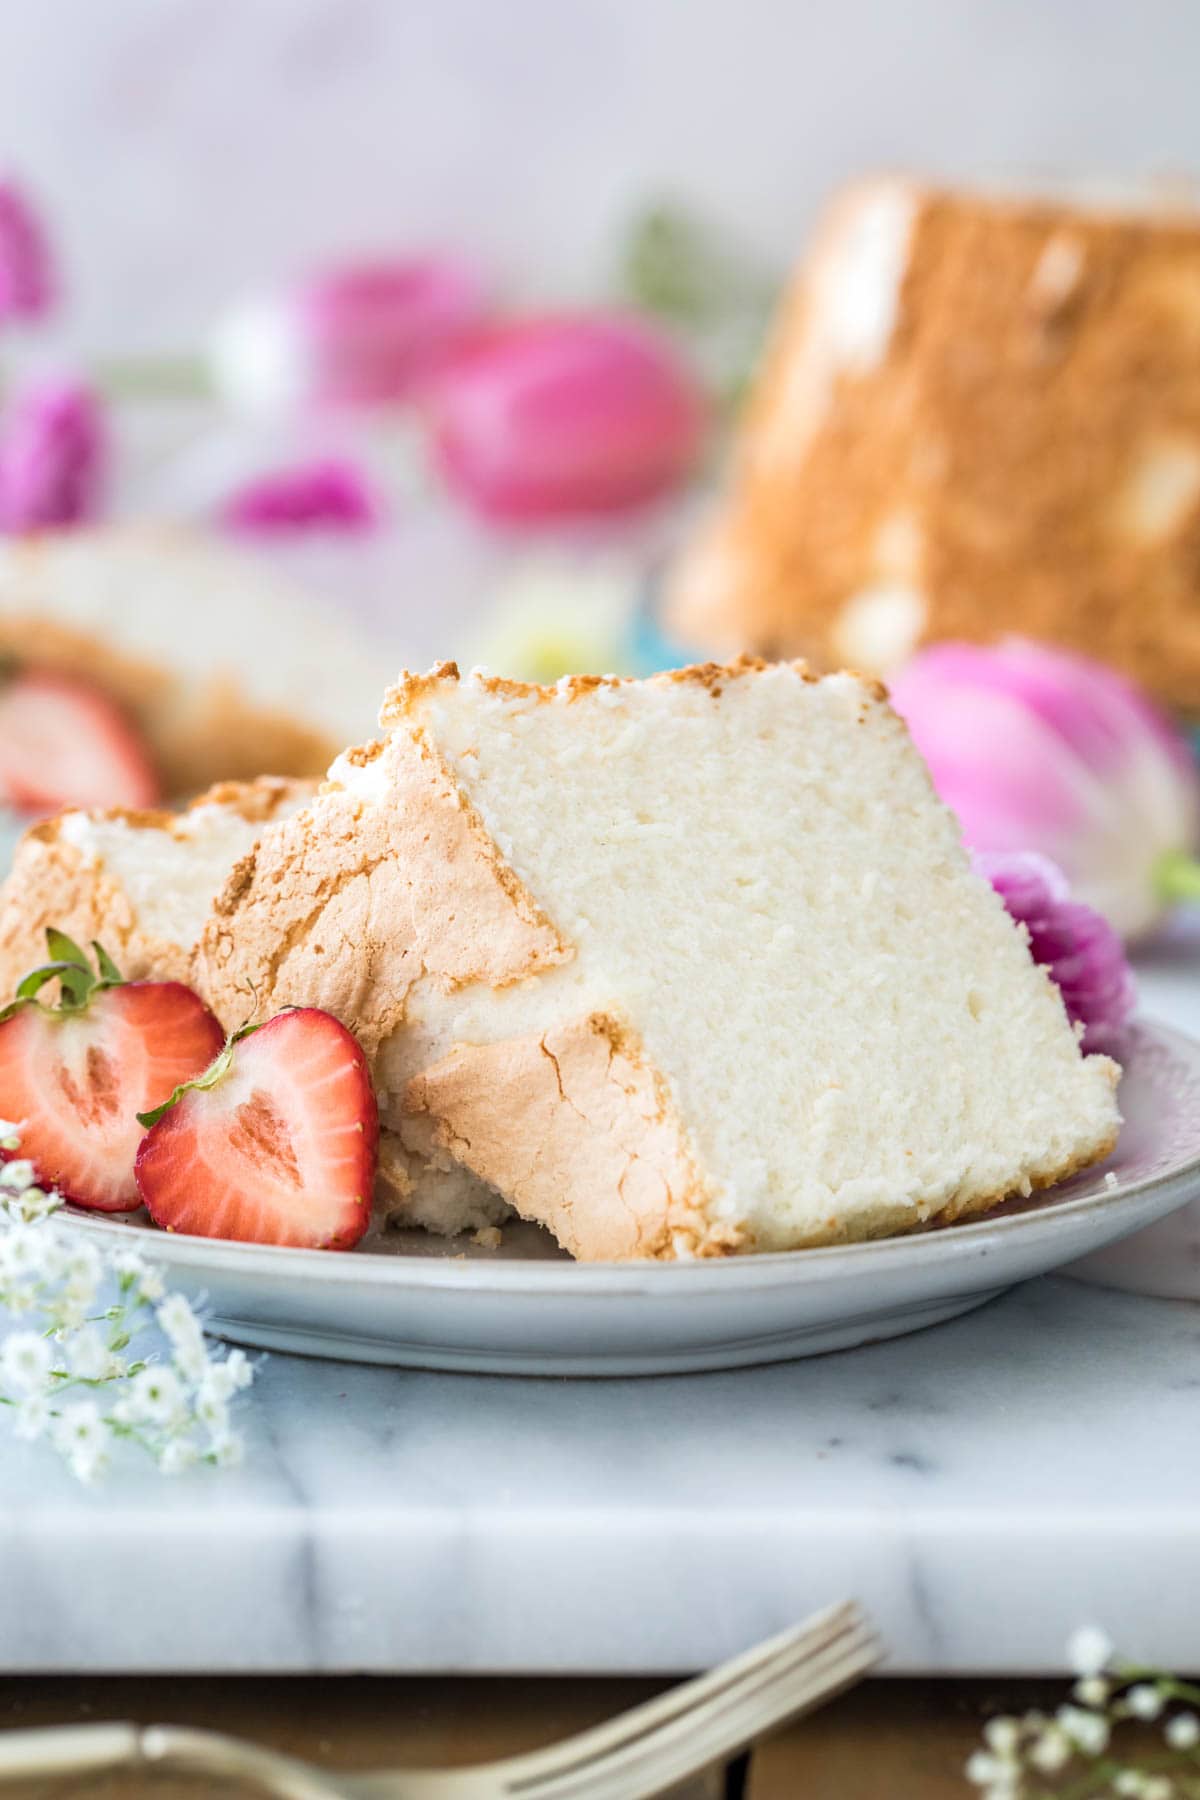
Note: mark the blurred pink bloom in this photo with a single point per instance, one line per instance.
(53, 451)
(1079, 948)
(571, 415)
(26, 268)
(331, 495)
(1037, 749)
(367, 334)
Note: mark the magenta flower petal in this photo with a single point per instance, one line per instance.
(27, 278)
(378, 332)
(53, 452)
(1037, 749)
(1075, 944)
(362, 335)
(552, 417)
(331, 495)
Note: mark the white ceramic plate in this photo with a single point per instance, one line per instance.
(526, 1309)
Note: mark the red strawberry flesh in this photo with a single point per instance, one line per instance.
(64, 743)
(281, 1150)
(73, 1083)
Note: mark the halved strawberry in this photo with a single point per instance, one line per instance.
(276, 1144)
(73, 1078)
(64, 743)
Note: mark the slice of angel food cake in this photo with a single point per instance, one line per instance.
(141, 882)
(677, 967)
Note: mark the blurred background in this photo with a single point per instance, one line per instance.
(191, 150)
(186, 155)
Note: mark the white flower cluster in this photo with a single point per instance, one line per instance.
(85, 1367)
(1077, 1742)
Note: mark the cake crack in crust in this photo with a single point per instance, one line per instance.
(600, 1157)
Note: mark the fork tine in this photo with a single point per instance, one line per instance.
(804, 1639)
(650, 1765)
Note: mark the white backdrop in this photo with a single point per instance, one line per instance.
(188, 148)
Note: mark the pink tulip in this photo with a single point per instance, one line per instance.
(369, 334)
(1076, 945)
(1037, 749)
(53, 449)
(573, 415)
(26, 268)
(332, 495)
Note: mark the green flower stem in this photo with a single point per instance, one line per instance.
(179, 377)
(1177, 876)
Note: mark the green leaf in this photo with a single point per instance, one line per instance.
(77, 982)
(64, 949)
(110, 975)
(70, 968)
(216, 1071)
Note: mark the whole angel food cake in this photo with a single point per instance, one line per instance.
(676, 967)
(980, 415)
(171, 661)
(142, 882)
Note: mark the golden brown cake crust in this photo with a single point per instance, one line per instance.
(347, 907)
(575, 1129)
(1040, 359)
(54, 883)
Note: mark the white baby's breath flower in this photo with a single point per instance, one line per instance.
(1089, 1730)
(237, 1370)
(1003, 1735)
(212, 1412)
(997, 1778)
(1183, 1731)
(134, 1273)
(1158, 1787)
(83, 1437)
(155, 1397)
(87, 1312)
(128, 1265)
(226, 1450)
(35, 1204)
(21, 1251)
(26, 1360)
(83, 1267)
(176, 1455)
(17, 1175)
(1089, 1650)
(88, 1356)
(1129, 1782)
(1144, 1701)
(220, 1381)
(179, 1324)
(31, 1417)
(1051, 1750)
(1093, 1690)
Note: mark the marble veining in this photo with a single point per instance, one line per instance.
(983, 1487)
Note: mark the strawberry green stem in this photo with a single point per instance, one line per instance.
(1177, 876)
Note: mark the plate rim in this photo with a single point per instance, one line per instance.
(564, 1276)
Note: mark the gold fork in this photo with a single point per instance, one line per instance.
(641, 1754)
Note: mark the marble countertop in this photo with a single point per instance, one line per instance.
(983, 1487)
